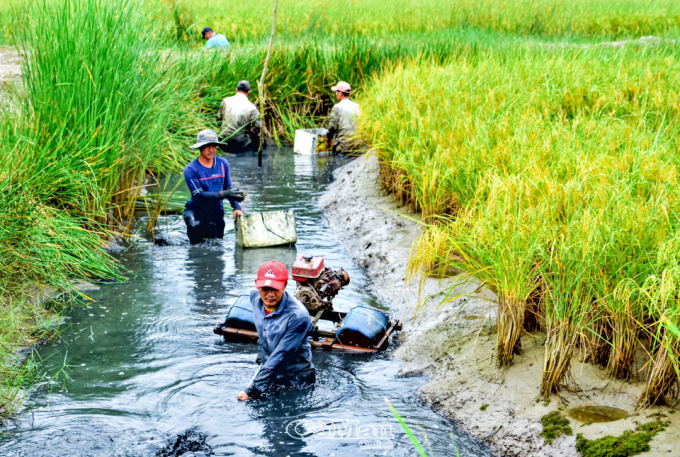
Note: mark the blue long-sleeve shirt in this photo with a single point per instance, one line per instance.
(283, 339)
(205, 185)
(217, 41)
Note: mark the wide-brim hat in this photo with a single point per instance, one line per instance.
(206, 137)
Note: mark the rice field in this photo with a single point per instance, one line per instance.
(552, 176)
(548, 168)
(595, 19)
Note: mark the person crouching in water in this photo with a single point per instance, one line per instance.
(283, 325)
(208, 178)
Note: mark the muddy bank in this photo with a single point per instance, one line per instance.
(453, 344)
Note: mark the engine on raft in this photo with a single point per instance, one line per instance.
(362, 329)
(317, 285)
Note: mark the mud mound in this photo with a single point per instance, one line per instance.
(189, 443)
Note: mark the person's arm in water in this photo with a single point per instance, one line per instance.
(296, 331)
(227, 186)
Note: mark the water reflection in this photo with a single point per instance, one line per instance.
(144, 364)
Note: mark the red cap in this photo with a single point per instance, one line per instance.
(272, 274)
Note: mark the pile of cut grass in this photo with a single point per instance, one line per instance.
(552, 176)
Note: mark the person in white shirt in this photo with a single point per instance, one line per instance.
(214, 40)
(342, 125)
(240, 121)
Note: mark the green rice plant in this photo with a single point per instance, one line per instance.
(345, 18)
(493, 244)
(565, 295)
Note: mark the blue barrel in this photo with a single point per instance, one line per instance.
(363, 327)
(240, 315)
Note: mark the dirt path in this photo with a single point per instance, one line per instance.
(10, 65)
(10, 76)
(454, 344)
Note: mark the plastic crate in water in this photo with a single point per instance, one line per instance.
(311, 141)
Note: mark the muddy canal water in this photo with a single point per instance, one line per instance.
(144, 364)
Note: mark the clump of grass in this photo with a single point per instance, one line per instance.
(554, 426)
(630, 443)
(100, 108)
(105, 110)
(483, 407)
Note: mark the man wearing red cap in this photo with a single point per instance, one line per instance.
(283, 325)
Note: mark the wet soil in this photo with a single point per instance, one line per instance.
(456, 348)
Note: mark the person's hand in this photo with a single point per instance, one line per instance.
(190, 220)
(237, 212)
(243, 396)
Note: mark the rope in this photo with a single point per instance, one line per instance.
(272, 232)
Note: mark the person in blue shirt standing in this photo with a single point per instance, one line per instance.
(284, 326)
(215, 40)
(209, 181)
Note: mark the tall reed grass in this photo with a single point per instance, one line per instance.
(552, 175)
(100, 108)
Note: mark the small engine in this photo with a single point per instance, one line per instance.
(317, 285)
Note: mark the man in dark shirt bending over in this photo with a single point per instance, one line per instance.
(208, 178)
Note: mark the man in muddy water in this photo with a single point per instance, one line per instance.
(240, 121)
(284, 326)
(342, 126)
(209, 181)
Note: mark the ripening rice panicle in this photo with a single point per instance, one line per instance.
(583, 144)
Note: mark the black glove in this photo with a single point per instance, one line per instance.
(190, 219)
(233, 194)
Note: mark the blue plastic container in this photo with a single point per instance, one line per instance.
(363, 327)
(240, 315)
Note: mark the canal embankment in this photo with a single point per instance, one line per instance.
(453, 343)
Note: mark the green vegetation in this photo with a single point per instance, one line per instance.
(551, 175)
(347, 18)
(300, 75)
(483, 407)
(630, 443)
(96, 115)
(554, 426)
(548, 167)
